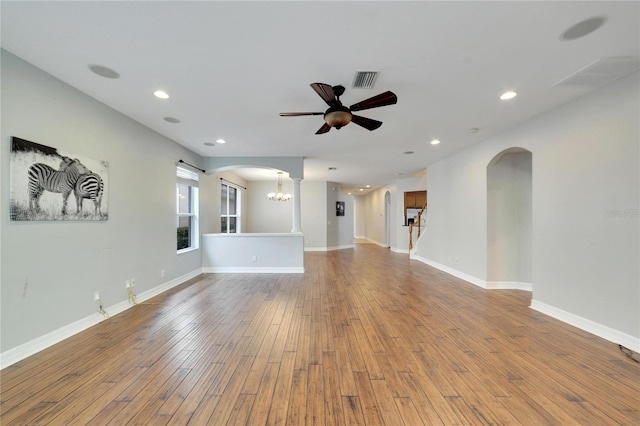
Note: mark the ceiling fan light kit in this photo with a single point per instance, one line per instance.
(338, 116)
(338, 119)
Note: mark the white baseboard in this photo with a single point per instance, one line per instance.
(38, 344)
(249, 270)
(348, 246)
(488, 285)
(508, 285)
(458, 274)
(589, 326)
(397, 250)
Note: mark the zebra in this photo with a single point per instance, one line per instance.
(89, 186)
(44, 178)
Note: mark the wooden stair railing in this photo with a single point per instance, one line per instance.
(411, 225)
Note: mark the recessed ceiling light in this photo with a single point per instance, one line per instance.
(333, 168)
(210, 144)
(171, 120)
(408, 152)
(348, 193)
(583, 28)
(367, 186)
(508, 95)
(221, 141)
(435, 142)
(360, 189)
(161, 94)
(105, 72)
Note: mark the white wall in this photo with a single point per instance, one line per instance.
(313, 199)
(264, 215)
(339, 228)
(373, 211)
(51, 270)
(253, 253)
(360, 209)
(585, 201)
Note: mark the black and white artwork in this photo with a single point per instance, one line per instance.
(339, 208)
(49, 184)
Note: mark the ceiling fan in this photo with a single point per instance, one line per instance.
(338, 115)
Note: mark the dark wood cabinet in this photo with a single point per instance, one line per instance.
(415, 200)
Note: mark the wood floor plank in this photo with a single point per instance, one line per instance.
(353, 414)
(408, 412)
(316, 396)
(364, 336)
(332, 396)
(368, 401)
(265, 394)
(297, 411)
(282, 390)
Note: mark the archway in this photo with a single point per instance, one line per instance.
(387, 219)
(509, 220)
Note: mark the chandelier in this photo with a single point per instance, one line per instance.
(279, 196)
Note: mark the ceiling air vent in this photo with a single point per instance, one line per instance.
(364, 79)
(601, 72)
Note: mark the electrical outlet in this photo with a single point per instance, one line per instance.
(96, 296)
(254, 258)
(161, 273)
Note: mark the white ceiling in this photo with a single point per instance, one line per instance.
(231, 67)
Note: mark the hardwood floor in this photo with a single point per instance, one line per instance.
(365, 336)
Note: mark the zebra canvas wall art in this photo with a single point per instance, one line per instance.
(49, 184)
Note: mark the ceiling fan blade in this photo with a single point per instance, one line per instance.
(365, 122)
(324, 129)
(326, 92)
(296, 114)
(383, 99)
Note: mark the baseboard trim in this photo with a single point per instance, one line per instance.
(587, 325)
(348, 246)
(458, 274)
(257, 270)
(397, 250)
(38, 344)
(508, 285)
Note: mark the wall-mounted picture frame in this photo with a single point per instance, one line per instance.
(339, 208)
(48, 184)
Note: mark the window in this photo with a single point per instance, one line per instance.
(187, 209)
(229, 209)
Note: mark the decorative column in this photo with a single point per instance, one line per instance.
(296, 204)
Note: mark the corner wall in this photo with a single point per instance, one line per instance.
(585, 200)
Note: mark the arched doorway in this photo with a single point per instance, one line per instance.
(387, 219)
(509, 220)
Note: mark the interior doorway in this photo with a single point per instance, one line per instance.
(387, 219)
